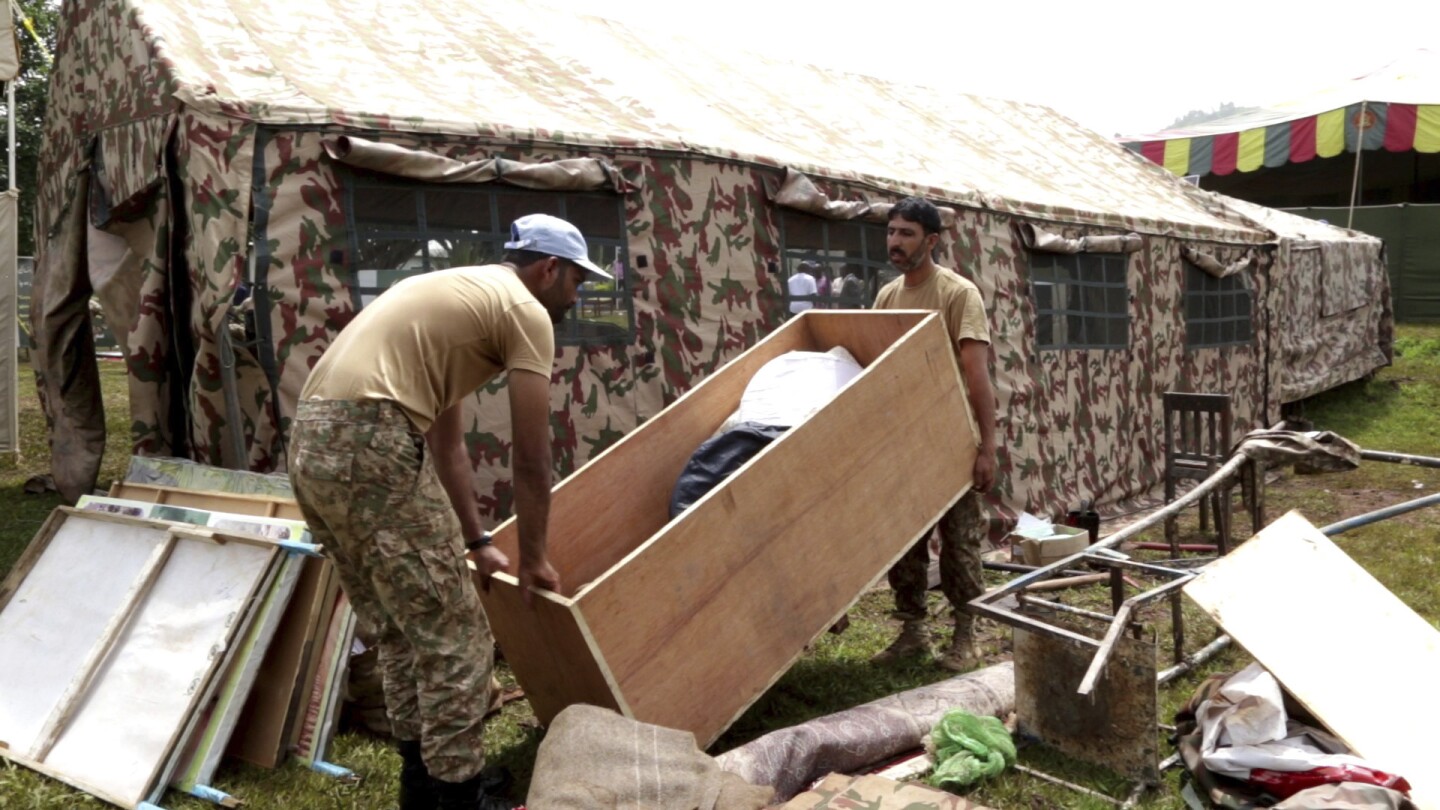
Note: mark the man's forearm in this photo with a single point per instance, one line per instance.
(453, 469)
(532, 511)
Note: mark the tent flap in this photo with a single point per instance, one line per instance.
(573, 174)
(127, 163)
(800, 192)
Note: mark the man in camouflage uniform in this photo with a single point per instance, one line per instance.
(380, 468)
(911, 235)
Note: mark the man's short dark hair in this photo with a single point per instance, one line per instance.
(920, 211)
(521, 258)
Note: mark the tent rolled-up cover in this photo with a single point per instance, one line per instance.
(1214, 266)
(800, 193)
(572, 174)
(1038, 239)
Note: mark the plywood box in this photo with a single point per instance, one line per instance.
(684, 623)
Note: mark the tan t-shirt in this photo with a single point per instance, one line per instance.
(431, 340)
(954, 297)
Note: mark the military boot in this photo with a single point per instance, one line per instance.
(914, 641)
(416, 792)
(469, 795)
(962, 655)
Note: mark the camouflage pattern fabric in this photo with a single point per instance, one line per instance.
(962, 531)
(857, 738)
(205, 120)
(370, 495)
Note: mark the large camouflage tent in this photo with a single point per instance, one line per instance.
(233, 178)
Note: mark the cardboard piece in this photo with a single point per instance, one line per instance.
(1323, 626)
(874, 792)
(685, 623)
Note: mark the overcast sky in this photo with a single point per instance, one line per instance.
(1116, 66)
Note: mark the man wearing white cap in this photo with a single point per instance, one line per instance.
(380, 469)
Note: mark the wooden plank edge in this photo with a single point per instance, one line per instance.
(189, 531)
(600, 662)
(32, 553)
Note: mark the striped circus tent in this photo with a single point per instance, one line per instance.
(1396, 108)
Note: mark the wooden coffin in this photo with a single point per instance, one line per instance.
(685, 623)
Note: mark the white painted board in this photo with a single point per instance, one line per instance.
(1342, 644)
(50, 630)
(126, 725)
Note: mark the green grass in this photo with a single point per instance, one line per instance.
(1398, 410)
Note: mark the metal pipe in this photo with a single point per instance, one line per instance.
(1193, 660)
(1019, 568)
(1399, 458)
(1379, 514)
(10, 114)
(1061, 607)
(1071, 785)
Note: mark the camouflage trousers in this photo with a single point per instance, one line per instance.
(962, 530)
(370, 495)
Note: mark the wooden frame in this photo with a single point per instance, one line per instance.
(258, 505)
(137, 611)
(684, 623)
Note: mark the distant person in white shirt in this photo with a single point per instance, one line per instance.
(803, 283)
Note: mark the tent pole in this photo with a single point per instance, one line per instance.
(1359, 150)
(10, 120)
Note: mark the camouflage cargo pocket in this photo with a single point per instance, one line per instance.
(413, 526)
(323, 464)
(422, 579)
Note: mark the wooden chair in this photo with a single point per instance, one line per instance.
(1197, 441)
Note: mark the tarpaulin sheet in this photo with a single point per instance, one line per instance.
(9, 48)
(9, 328)
(1412, 251)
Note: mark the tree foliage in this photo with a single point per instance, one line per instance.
(1204, 116)
(31, 89)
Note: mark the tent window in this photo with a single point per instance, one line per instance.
(1081, 300)
(1218, 311)
(851, 256)
(400, 228)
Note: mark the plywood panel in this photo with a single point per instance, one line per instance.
(1322, 625)
(597, 518)
(260, 735)
(550, 643)
(705, 616)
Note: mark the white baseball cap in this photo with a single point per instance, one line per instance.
(554, 236)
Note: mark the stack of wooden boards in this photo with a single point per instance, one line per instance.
(164, 628)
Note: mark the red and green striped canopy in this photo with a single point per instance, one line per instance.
(1365, 125)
